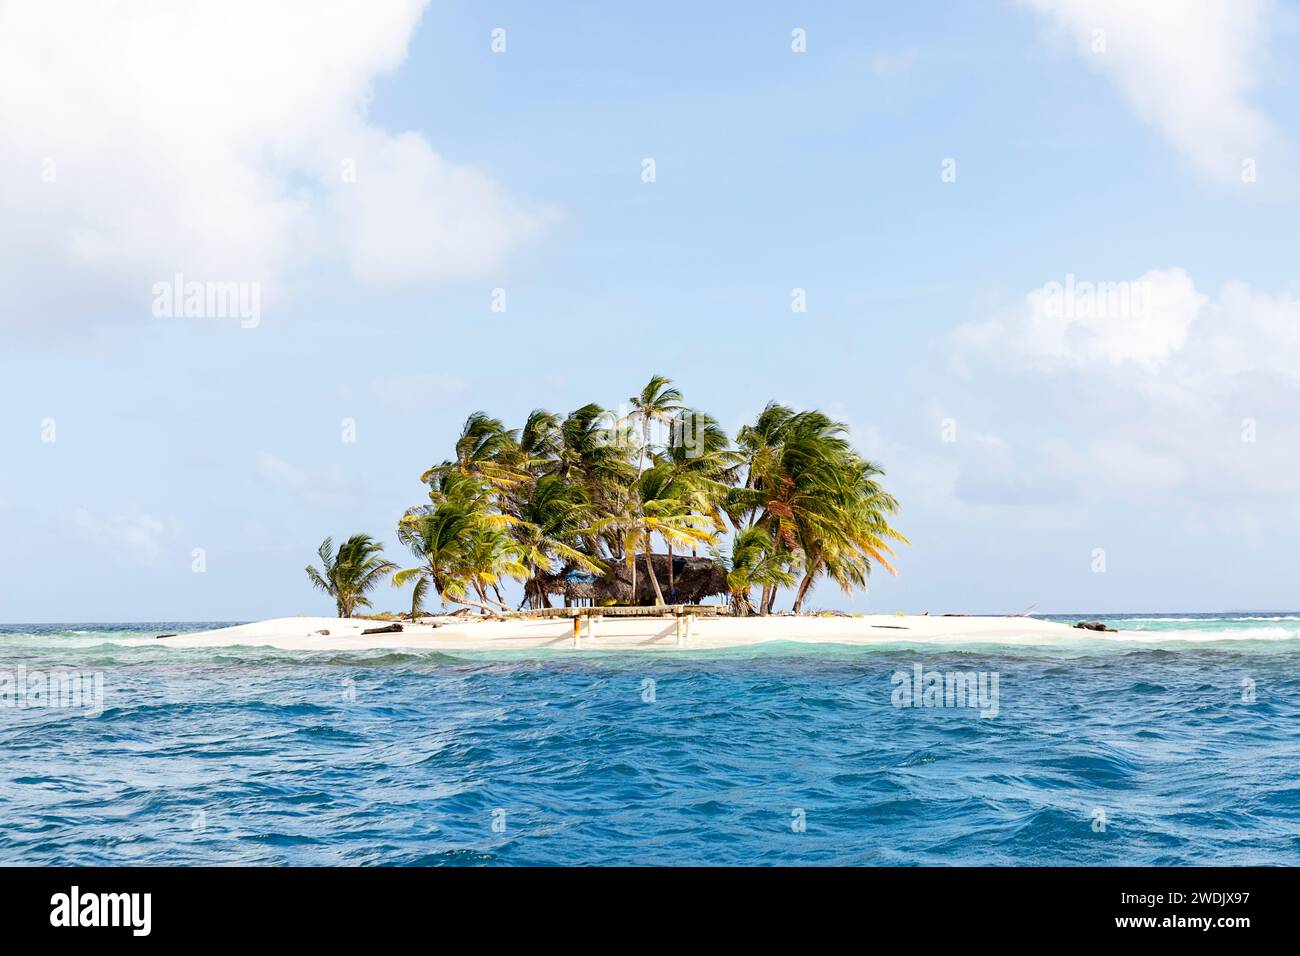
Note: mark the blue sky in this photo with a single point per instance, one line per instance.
(1165, 438)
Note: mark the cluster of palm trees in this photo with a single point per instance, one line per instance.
(594, 488)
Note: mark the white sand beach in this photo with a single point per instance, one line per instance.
(636, 633)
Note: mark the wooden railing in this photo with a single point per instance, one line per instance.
(666, 610)
(683, 615)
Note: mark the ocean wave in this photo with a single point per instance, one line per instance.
(266, 761)
(1186, 634)
(1209, 619)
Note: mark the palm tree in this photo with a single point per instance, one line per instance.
(490, 555)
(459, 540)
(754, 561)
(540, 443)
(860, 534)
(659, 402)
(592, 449)
(759, 444)
(665, 514)
(816, 498)
(435, 538)
(553, 517)
(485, 451)
(593, 457)
(350, 574)
(418, 594)
(702, 468)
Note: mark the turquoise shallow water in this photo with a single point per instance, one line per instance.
(1176, 743)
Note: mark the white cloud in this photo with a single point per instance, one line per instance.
(218, 139)
(1187, 68)
(1178, 336)
(134, 538)
(413, 215)
(1195, 401)
(1078, 321)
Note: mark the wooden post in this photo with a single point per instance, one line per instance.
(677, 619)
(690, 619)
(577, 631)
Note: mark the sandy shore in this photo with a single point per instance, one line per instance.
(459, 634)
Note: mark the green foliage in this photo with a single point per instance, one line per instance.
(588, 490)
(350, 574)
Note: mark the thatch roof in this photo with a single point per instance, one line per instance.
(693, 580)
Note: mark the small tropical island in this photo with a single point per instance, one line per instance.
(647, 525)
(572, 506)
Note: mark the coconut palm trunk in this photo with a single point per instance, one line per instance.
(650, 572)
(485, 608)
(531, 587)
(629, 546)
(672, 583)
(741, 605)
(805, 585)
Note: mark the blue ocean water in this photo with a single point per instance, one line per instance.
(1176, 741)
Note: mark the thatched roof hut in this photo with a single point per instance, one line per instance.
(693, 580)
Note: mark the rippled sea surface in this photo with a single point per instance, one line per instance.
(1176, 741)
